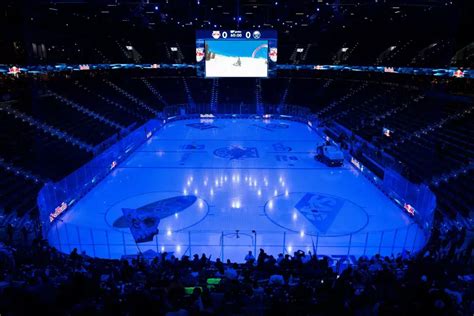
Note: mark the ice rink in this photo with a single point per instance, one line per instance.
(225, 187)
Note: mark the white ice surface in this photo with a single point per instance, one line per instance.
(250, 194)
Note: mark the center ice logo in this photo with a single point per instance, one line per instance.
(236, 152)
(321, 210)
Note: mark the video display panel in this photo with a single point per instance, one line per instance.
(236, 58)
(236, 53)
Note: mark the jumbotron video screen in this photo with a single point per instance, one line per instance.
(236, 53)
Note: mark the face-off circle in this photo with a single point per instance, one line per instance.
(172, 210)
(316, 214)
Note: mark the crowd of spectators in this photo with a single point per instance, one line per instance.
(39, 279)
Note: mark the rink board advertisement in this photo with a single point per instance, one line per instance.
(236, 53)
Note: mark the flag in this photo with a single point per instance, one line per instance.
(273, 54)
(199, 54)
(143, 225)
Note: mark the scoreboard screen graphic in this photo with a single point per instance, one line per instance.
(236, 53)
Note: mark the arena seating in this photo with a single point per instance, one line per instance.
(18, 194)
(290, 284)
(200, 90)
(430, 131)
(141, 90)
(454, 199)
(402, 41)
(56, 131)
(83, 93)
(35, 149)
(75, 121)
(66, 109)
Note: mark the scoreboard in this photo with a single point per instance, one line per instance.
(236, 53)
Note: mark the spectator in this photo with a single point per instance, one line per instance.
(249, 258)
(297, 284)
